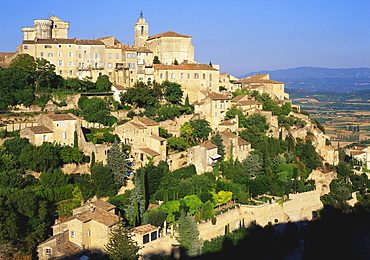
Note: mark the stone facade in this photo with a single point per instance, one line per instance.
(142, 134)
(235, 147)
(88, 228)
(203, 156)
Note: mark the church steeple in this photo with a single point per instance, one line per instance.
(141, 31)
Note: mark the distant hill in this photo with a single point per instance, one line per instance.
(321, 79)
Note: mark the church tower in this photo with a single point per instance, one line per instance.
(141, 31)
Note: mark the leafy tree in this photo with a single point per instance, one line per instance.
(189, 236)
(308, 155)
(196, 130)
(103, 179)
(121, 245)
(118, 162)
(44, 74)
(168, 111)
(172, 92)
(217, 140)
(156, 60)
(94, 110)
(70, 154)
(177, 143)
(103, 84)
(156, 217)
(25, 97)
(193, 203)
(140, 95)
(253, 164)
(54, 178)
(40, 158)
(207, 210)
(24, 62)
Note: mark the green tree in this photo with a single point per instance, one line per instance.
(24, 62)
(44, 74)
(200, 129)
(207, 210)
(188, 236)
(217, 140)
(70, 154)
(103, 179)
(103, 84)
(121, 246)
(156, 60)
(253, 164)
(54, 178)
(177, 143)
(172, 92)
(118, 162)
(140, 95)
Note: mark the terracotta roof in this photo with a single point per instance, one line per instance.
(119, 87)
(89, 42)
(228, 122)
(99, 215)
(140, 126)
(217, 96)
(208, 145)
(168, 34)
(147, 121)
(249, 103)
(143, 49)
(142, 230)
(184, 66)
(70, 249)
(103, 205)
(238, 98)
(156, 137)
(149, 151)
(241, 141)
(39, 129)
(61, 117)
(257, 80)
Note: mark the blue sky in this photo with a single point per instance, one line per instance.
(240, 35)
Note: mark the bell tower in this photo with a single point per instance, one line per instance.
(141, 31)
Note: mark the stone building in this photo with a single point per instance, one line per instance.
(263, 84)
(204, 156)
(193, 77)
(142, 135)
(235, 147)
(57, 128)
(88, 228)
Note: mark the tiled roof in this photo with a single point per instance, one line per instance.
(140, 126)
(70, 249)
(208, 145)
(99, 215)
(61, 117)
(143, 49)
(119, 87)
(238, 98)
(149, 151)
(147, 121)
(217, 96)
(168, 34)
(156, 137)
(89, 42)
(142, 230)
(241, 141)
(103, 205)
(228, 122)
(40, 129)
(184, 66)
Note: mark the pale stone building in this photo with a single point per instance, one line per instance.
(226, 82)
(57, 128)
(235, 147)
(142, 134)
(213, 107)
(192, 77)
(88, 228)
(362, 154)
(204, 156)
(263, 84)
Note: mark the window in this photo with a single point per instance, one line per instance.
(172, 75)
(96, 55)
(145, 238)
(131, 65)
(80, 56)
(70, 54)
(117, 55)
(44, 137)
(70, 73)
(50, 55)
(73, 234)
(41, 54)
(48, 46)
(64, 135)
(88, 233)
(161, 75)
(70, 63)
(26, 47)
(59, 46)
(153, 236)
(60, 72)
(196, 75)
(60, 63)
(69, 46)
(109, 55)
(109, 65)
(47, 251)
(59, 54)
(181, 75)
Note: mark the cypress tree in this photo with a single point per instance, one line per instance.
(117, 161)
(75, 139)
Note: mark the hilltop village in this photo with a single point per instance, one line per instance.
(103, 133)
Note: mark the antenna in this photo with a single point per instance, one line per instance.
(141, 14)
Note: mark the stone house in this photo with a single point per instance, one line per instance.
(212, 106)
(87, 229)
(235, 147)
(225, 81)
(57, 128)
(263, 84)
(231, 125)
(247, 104)
(191, 76)
(362, 154)
(117, 91)
(142, 134)
(204, 156)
